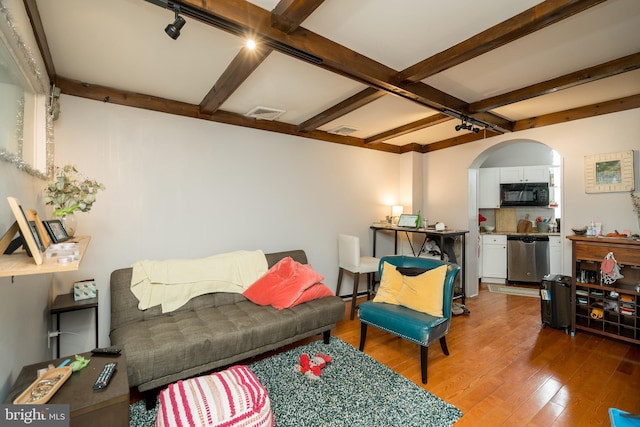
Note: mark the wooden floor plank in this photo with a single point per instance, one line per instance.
(504, 369)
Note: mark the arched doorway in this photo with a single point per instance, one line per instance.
(517, 152)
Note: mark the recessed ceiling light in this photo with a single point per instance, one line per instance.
(251, 44)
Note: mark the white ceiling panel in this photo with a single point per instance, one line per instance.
(590, 93)
(385, 113)
(292, 85)
(579, 42)
(265, 4)
(121, 45)
(440, 132)
(130, 50)
(401, 33)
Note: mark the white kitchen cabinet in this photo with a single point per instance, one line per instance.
(515, 174)
(494, 258)
(555, 255)
(488, 188)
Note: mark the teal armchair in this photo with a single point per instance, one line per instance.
(418, 327)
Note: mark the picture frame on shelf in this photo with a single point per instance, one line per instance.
(32, 215)
(56, 230)
(36, 235)
(31, 246)
(609, 172)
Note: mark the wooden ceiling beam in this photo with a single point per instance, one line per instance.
(613, 106)
(239, 17)
(147, 102)
(136, 100)
(607, 107)
(608, 69)
(106, 94)
(531, 20)
(408, 128)
(289, 14)
(41, 39)
(122, 97)
(458, 140)
(350, 104)
(244, 63)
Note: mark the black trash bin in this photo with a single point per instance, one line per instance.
(555, 301)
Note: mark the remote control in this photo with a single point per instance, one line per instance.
(106, 350)
(105, 376)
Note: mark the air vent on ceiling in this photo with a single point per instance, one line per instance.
(265, 113)
(343, 130)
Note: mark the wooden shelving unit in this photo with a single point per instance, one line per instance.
(20, 264)
(619, 301)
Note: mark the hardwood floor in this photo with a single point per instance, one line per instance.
(505, 370)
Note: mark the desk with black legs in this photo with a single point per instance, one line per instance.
(440, 237)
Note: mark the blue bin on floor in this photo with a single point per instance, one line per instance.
(623, 419)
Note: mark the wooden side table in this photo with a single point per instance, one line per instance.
(109, 407)
(65, 303)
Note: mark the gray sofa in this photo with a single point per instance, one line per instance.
(210, 331)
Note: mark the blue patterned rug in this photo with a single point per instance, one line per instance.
(353, 390)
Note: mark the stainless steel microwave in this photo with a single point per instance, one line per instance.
(524, 194)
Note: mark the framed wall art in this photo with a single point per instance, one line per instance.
(609, 172)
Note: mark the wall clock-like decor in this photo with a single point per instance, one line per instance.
(609, 172)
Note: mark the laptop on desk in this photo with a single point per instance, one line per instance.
(407, 221)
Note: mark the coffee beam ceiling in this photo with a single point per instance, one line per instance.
(280, 30)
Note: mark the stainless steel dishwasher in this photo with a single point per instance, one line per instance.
(527, 258)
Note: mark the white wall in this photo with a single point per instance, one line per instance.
(179, 187)
(23, 300)
(185, 188)
(447, 184)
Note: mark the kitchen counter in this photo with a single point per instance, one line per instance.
(515, 233)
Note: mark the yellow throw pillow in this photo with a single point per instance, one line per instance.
(424, 292)
(390, 284)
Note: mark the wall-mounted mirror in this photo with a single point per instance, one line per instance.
(26, 127)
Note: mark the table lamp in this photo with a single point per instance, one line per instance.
(396, 211)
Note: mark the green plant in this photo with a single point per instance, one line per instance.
(69, 191)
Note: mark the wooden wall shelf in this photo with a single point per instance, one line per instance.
(20, 264)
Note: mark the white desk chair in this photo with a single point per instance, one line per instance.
(350, 260)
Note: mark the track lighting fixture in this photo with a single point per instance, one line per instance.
(173, 30)
(467, 124)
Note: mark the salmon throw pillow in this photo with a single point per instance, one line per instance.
(286, 284)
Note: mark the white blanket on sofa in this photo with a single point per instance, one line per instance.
(172, 283)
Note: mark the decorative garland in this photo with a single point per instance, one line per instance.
(21, 164)
(32, 63)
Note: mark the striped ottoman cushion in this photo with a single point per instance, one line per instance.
(233, 397)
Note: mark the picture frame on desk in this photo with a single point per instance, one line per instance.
(56, 230)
